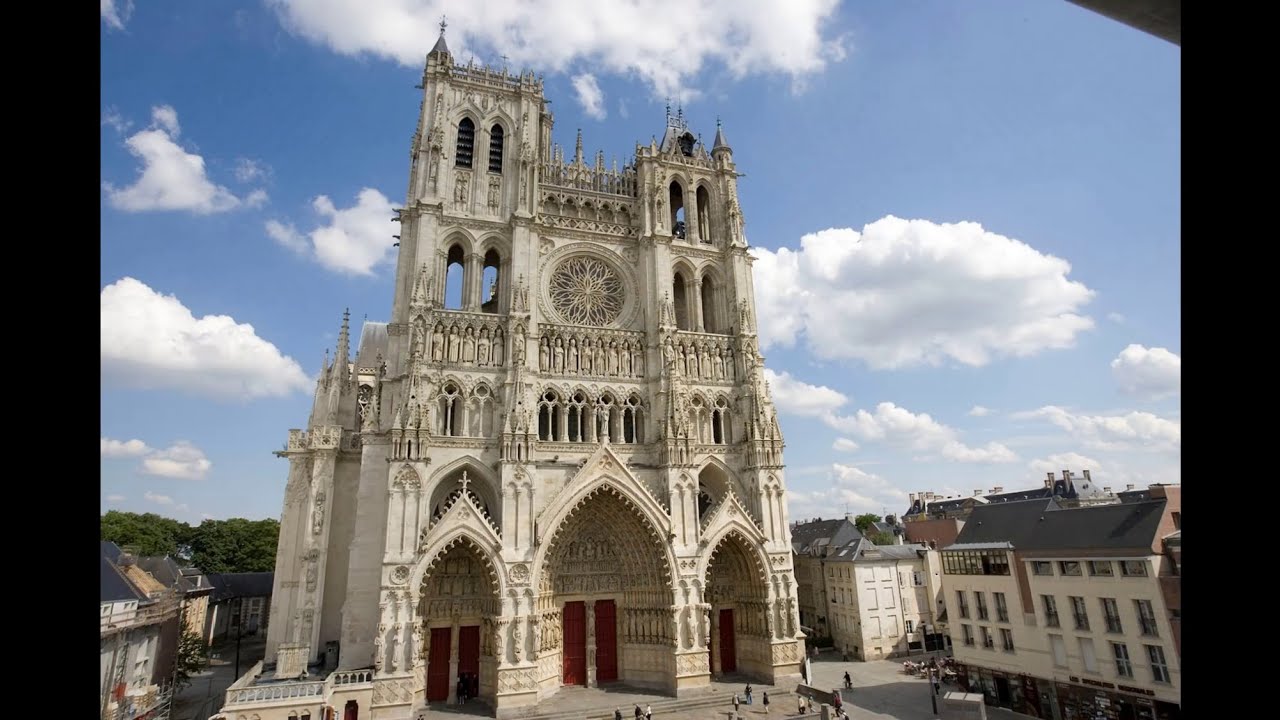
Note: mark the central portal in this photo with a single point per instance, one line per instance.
(604, 598)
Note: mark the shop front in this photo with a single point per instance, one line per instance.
(1011, 691)
(1088, 699)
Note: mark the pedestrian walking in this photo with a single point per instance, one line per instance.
(617, 714)
(766, 702)
(648, 712)
(639, 712)
(735, 703)
(848, 682)
(809, 703)
(748, 694)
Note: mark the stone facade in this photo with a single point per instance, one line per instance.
(558, 463)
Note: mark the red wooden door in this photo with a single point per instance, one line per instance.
(575, 643)
(469, 652)
(728, 657)
(438, 665)
(606, 641)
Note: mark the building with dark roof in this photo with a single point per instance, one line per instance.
(188, 583)
(811, 541)
(1066, 611)
(236, 596)
(1068, 490)
(138, 637)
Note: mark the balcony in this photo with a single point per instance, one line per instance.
(1082, 622)
(1113, 624)
(254, 689)
(1051, 620)
(1149, 627)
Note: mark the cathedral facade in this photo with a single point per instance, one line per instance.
(558, 463)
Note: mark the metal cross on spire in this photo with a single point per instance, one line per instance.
(464, 481)
(444, 23)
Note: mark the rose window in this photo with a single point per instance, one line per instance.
(586, 291)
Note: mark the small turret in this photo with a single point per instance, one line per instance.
(720, 145)
(441, 49)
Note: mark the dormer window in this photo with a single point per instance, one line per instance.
(466, 143)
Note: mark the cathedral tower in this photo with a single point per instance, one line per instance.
(558, 463)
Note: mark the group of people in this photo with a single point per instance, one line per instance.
(468, 686)
(647, 713)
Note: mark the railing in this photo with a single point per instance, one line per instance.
(351, 677)
(1051, 620)
(1002, 614)
(586, 177)
(145, 615)
(1082, 622)
(1113, 624)
(1149, 626)
(280, 691)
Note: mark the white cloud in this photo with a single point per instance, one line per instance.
(844, 445)
(115, 498)
(665, 42)
(590, 96)
(249, 170)
(356, 240)
(1130, 430)
(1075, 462)
(899, 427)
(152, 341)
(170, 178)
(1151, 373)
(116, 14)
(1116, 318)
(256, 198)
(182, 461)
(622, 109)
(889, 423)
(915, 292)
(797, 397)
(849, 489)
(979, 411)
(157, 498)
(112, 118)
(123, 449)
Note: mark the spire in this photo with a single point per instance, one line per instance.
(344, 339)
(720, 143)
(440, 46)
(577, 152)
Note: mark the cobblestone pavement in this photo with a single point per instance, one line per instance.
(204, 696)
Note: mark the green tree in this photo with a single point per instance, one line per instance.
(864, 521)
(235, 545)
(193, 656)
(882, 538)
(148, 533)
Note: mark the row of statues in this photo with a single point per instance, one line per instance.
(700, 360)
(466, 346)
(591, 356)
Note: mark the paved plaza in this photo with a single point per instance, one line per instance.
(880, 691)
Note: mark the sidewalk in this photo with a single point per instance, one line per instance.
(204, 696)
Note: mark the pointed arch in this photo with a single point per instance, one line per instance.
(751, 540)
(703, 195)
(481, 480)
(464, 147)
(626, 489)
(473, 535)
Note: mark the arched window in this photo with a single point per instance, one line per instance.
(454, 277)
(351, 711)
(720, 422)
(704, 214)
(450, 406)
(549, 416)
(306, 715)
(704, 500)
(677, 210)
(633, 421)
(576, 417)
(686, 144)
(466, 143)
(680, 300)
(710, 314)
(492, 281)
(495, 149)
(480, 412)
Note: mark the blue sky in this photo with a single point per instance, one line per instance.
(967, 219)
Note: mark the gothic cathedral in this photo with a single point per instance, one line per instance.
(558, 463)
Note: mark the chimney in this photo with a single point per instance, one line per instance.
(1129, 486)
(1106, 490)
(1086, 476)
(977, 493)
(913, 498)
(997, 490)
(1048, 481)
(1066, 475)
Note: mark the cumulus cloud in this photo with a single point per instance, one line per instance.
(115, 498)
(590, 96)
(665, 42)
(153, 341)
(847, 487)
(170, 177)
(1073, 461)
(888, 424)
(158, 498)
(914, 292)
(1132, 430)
(844, 445)
(979, 411)
(182, 461)
(355, 239)
(1116, 318)
(1150, 373)
(123, 449)
(112, 118)
(116, 14)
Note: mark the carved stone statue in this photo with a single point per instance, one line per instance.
(544, 355)
(482, 348)
(317, 515)
(460, 189)
(517, 640)
(396, 642)
(437, 344)
(469, 346)
(495, 186)
(379, 647)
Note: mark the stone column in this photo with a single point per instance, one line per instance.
(591, 643)
(453, 662)
(475, 277)
(695, 306)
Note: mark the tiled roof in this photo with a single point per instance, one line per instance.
(233, 585)
(114, 586)
(373, 340)
(834, 532)
(1044, 525)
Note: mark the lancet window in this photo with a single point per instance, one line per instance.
(466, 143)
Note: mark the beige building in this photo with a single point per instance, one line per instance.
(138, 629)
(558, 464)
(1061, 613)
(882, 600)
(811, 542)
